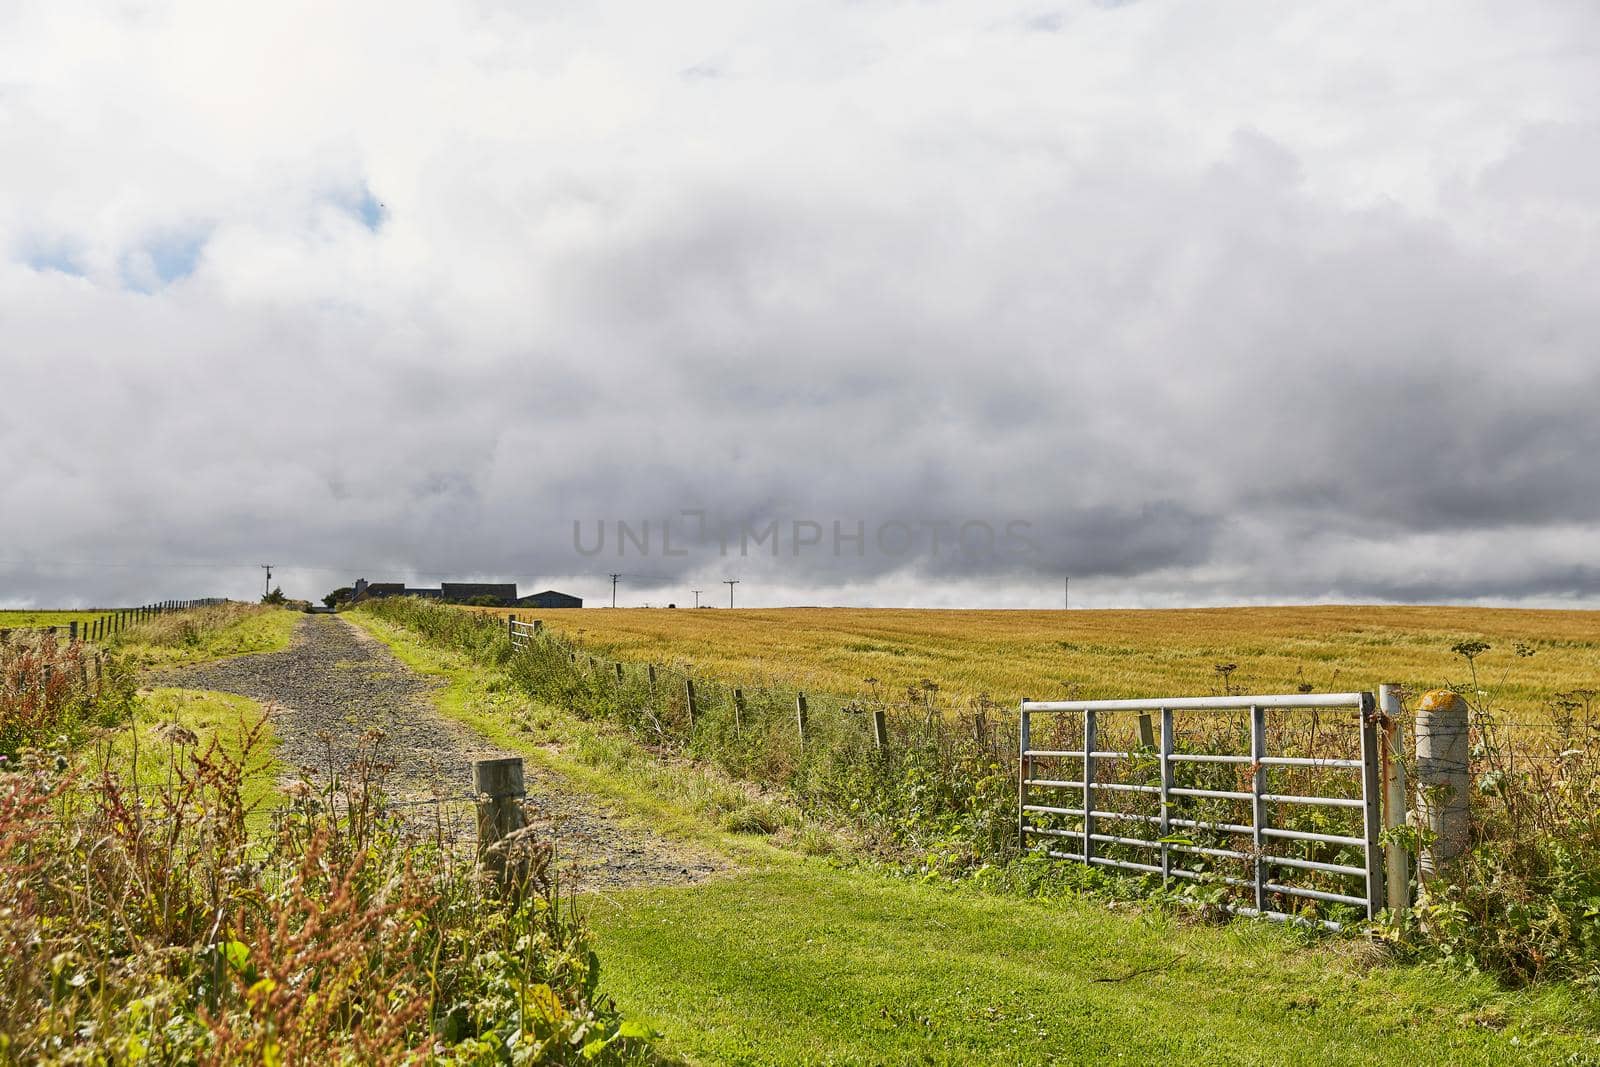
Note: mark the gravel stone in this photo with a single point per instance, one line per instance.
(335, 684)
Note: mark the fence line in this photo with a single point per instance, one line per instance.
(35, 673)
(674, 701)
(107, 624)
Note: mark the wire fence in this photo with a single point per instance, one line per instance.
(676, 692)
(107, 624)
(949, 753)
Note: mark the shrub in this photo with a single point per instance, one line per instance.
(55, 692)
(1524, 902)
(159, 927)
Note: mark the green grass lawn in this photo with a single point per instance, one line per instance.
(792, 960)
(25, 620)
(801, 963)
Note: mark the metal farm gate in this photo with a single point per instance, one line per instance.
(1275, 798)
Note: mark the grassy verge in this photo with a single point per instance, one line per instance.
(676, 798)
(238, 725)
(807, 964)
(151, 913)
(207, 633)
(795, 960)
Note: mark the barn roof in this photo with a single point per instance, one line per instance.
(476, 589)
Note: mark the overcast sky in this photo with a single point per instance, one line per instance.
(1197, 303)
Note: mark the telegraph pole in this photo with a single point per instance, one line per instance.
(696, 593)
(1066, 594)
(614, 578)
(730, 583)
(268, 568)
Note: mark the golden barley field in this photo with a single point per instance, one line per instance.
(1008, 655)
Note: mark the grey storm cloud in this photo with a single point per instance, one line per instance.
(1219, 306)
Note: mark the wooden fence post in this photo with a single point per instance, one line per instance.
(72, 632)
(511, 630)
(800, 716)
(1443, 779)
(738, 711)
(688, 695)
(1397, 865)
(880, 729)
(1147, 731)
(498, 786)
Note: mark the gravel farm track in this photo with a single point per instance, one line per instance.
(335, 684)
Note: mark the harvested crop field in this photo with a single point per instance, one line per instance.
(1008, 655)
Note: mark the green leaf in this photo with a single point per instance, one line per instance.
(237, 953)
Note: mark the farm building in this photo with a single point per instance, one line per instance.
(501, 594)
(504, 595)
(550, 599)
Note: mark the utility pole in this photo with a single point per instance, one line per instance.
(696, 593)
(268, 568)
(730, 583)
(1066, 594)
(614, 578)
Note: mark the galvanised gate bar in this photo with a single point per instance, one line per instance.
(1073, 816)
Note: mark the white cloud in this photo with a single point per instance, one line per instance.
(1145, 275)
